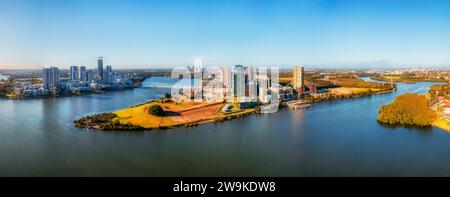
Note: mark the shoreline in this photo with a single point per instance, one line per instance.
(442, 125)
(65, 96)
(186, 117)
(83, 122)
(405, 81)
(71, 95)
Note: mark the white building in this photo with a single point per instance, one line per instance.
(238, 83)
(74, 75)
(50, 77)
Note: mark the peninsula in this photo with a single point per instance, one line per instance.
(178, 111)
(170, 115)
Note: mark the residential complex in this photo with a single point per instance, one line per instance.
(80, 80)
(50, 77)
(240, 84)
(100, 70)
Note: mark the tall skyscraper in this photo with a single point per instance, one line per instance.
(90, 75)
(83, 73)
(227, 82)
(238, 81)
(100, 69)
(50, 77)
(46, 78)
(250, 83)
(299, 77)
(108, 74)
(74, 73)
(263, 86)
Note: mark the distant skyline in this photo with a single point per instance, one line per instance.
(167, 33)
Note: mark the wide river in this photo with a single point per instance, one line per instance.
(339, 138)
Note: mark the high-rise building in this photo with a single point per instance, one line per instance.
(74, 73)
(108, 75)
(238, 81)
(100, 70)
(50, 77)
(46, 78)
(250, 83)
(263, 87)
(90, 75)
(299, 77)
(227, 81)
(83, 73)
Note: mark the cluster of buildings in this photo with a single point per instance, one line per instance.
(299, 84)
(80, 80)
(245, 85)
(419, 73)
(238, 84)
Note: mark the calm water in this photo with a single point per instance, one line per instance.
(339, 138)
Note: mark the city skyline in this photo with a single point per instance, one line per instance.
(155, 34)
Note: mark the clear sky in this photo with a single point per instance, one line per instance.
(133, 33)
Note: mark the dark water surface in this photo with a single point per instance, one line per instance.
(340, 138)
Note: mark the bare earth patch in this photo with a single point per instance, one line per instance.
(179, 114)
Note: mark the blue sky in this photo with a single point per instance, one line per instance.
(158, 33)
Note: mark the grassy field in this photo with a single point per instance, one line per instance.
(179, 114)
(349, 90)
(406, 78)
(391, 77)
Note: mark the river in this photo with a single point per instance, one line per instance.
(339, 138)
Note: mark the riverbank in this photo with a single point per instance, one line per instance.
(442, 124)
(403, 79)
(439, 96)
(345, 93)
(13, 96)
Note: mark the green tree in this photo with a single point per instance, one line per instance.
(156, 110)
(407, 109)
